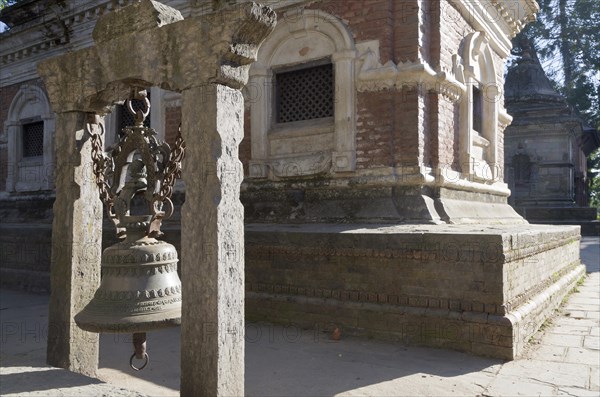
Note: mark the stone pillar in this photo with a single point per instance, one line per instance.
(76, 245)
(344, 154)
(212, 238)
(259, 89)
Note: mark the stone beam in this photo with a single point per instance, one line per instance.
(76, 245)
(175, 54)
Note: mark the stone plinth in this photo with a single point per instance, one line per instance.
(581, 216)
(479, 289)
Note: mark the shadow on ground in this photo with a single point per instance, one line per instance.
(30, 379)
(288, 361)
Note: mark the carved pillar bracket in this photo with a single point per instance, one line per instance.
(207, 58)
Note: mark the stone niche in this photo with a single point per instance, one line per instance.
(403, 231)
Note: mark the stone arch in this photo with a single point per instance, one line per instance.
(478, 142)
(29, 105)
(302, 37)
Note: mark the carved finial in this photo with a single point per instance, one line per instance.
(524, 49)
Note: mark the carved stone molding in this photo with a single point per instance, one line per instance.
(373, 76)
(501, 19)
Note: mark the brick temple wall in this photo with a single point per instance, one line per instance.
(172, 122)
(445, 112)
(387, 119)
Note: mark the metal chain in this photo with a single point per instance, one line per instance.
(100, 162)
(173, 167)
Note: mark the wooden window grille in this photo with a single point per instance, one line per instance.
(33, 139)
(304, 94)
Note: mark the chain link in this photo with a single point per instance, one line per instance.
(173, 168)
(101, 161)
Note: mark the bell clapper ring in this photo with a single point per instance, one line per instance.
(145, 358)
(139, 344)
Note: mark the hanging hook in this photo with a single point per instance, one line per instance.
(139, 345)
(139, 94)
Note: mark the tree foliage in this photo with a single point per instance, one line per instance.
(6, 3)
(567, 39)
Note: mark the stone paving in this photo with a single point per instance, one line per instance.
(562, 359)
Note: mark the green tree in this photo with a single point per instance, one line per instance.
(6, 3)
(567, 39)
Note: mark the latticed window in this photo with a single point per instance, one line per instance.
(304, 94)
(33, 139)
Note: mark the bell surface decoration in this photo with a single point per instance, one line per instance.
(140, 289)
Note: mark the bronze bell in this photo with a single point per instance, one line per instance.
(140, 290)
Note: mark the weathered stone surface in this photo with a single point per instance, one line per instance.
(25, 251)
(480, 289)
(217, 47)
(212, 325)
(143, 15)
(76, 246)
(321, 200)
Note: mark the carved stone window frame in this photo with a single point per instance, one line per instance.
(479, 152)
(329, 38)
(29, 174)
